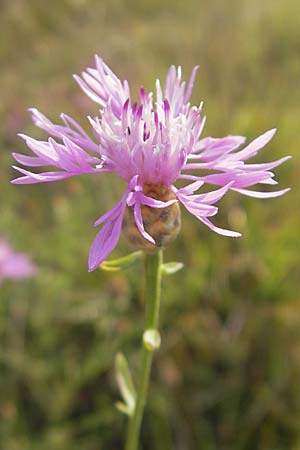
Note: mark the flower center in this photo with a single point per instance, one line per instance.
(163, 224)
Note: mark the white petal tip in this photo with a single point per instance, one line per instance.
(285, 191)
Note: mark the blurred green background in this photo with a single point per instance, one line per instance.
(227, 375)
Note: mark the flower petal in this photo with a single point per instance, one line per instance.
(209, 149)
(257, 194)
(218, 230)
(45, 177)
(71, 129)
(102, 86)
(153, 203)
(196, 208)
(253, 148)
(68, 156)
(190, 84)
(32, 161)
(107, 238)
(191, 188)
(214, 196)
(240, 179)
(266, 166)
(139, 223)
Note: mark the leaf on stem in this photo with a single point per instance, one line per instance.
(125, 384)
(122, 263)
(171, 268)
(123, 408)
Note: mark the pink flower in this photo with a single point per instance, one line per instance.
(152, 142)
(14, 265)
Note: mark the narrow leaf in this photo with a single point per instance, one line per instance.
(125, 383)
(121, 263)
(123, 408)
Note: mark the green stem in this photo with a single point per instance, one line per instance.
(153, 265)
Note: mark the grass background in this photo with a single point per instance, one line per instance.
(227, 375)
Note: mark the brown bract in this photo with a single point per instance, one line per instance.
(163, 224)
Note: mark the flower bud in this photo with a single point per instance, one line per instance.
(163, 224)
(151, 340)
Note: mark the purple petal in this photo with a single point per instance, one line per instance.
(113, 212)
(258, 194)
(187, 176)
(214, 196)
(225, 144)
(72, 129)
(153, 203)
(104, 87)
(69, 157)
(240, 179)
(190, 84)
(266, 166)
(212, 148)
(32, 161)
(139, 223)
(45, 177)
(106, 240)
(197, 208)
(253, 148)
(88, 91)
(64, 158)
(191, 188)
(41, 149)
(170, 79)
(218, 230)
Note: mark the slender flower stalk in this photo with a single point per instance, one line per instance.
(151, 341)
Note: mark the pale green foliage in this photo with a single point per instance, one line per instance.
(171, 268)
(125, 384)
(122, 263)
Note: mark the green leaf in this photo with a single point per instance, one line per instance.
(123, 408)
(122, 263)
(125, 384)
(171, 268)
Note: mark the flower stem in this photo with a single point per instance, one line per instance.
(153, 263)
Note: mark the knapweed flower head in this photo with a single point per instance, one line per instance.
(14, 265)
(149, 144)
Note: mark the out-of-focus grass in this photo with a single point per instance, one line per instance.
(227, 376)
